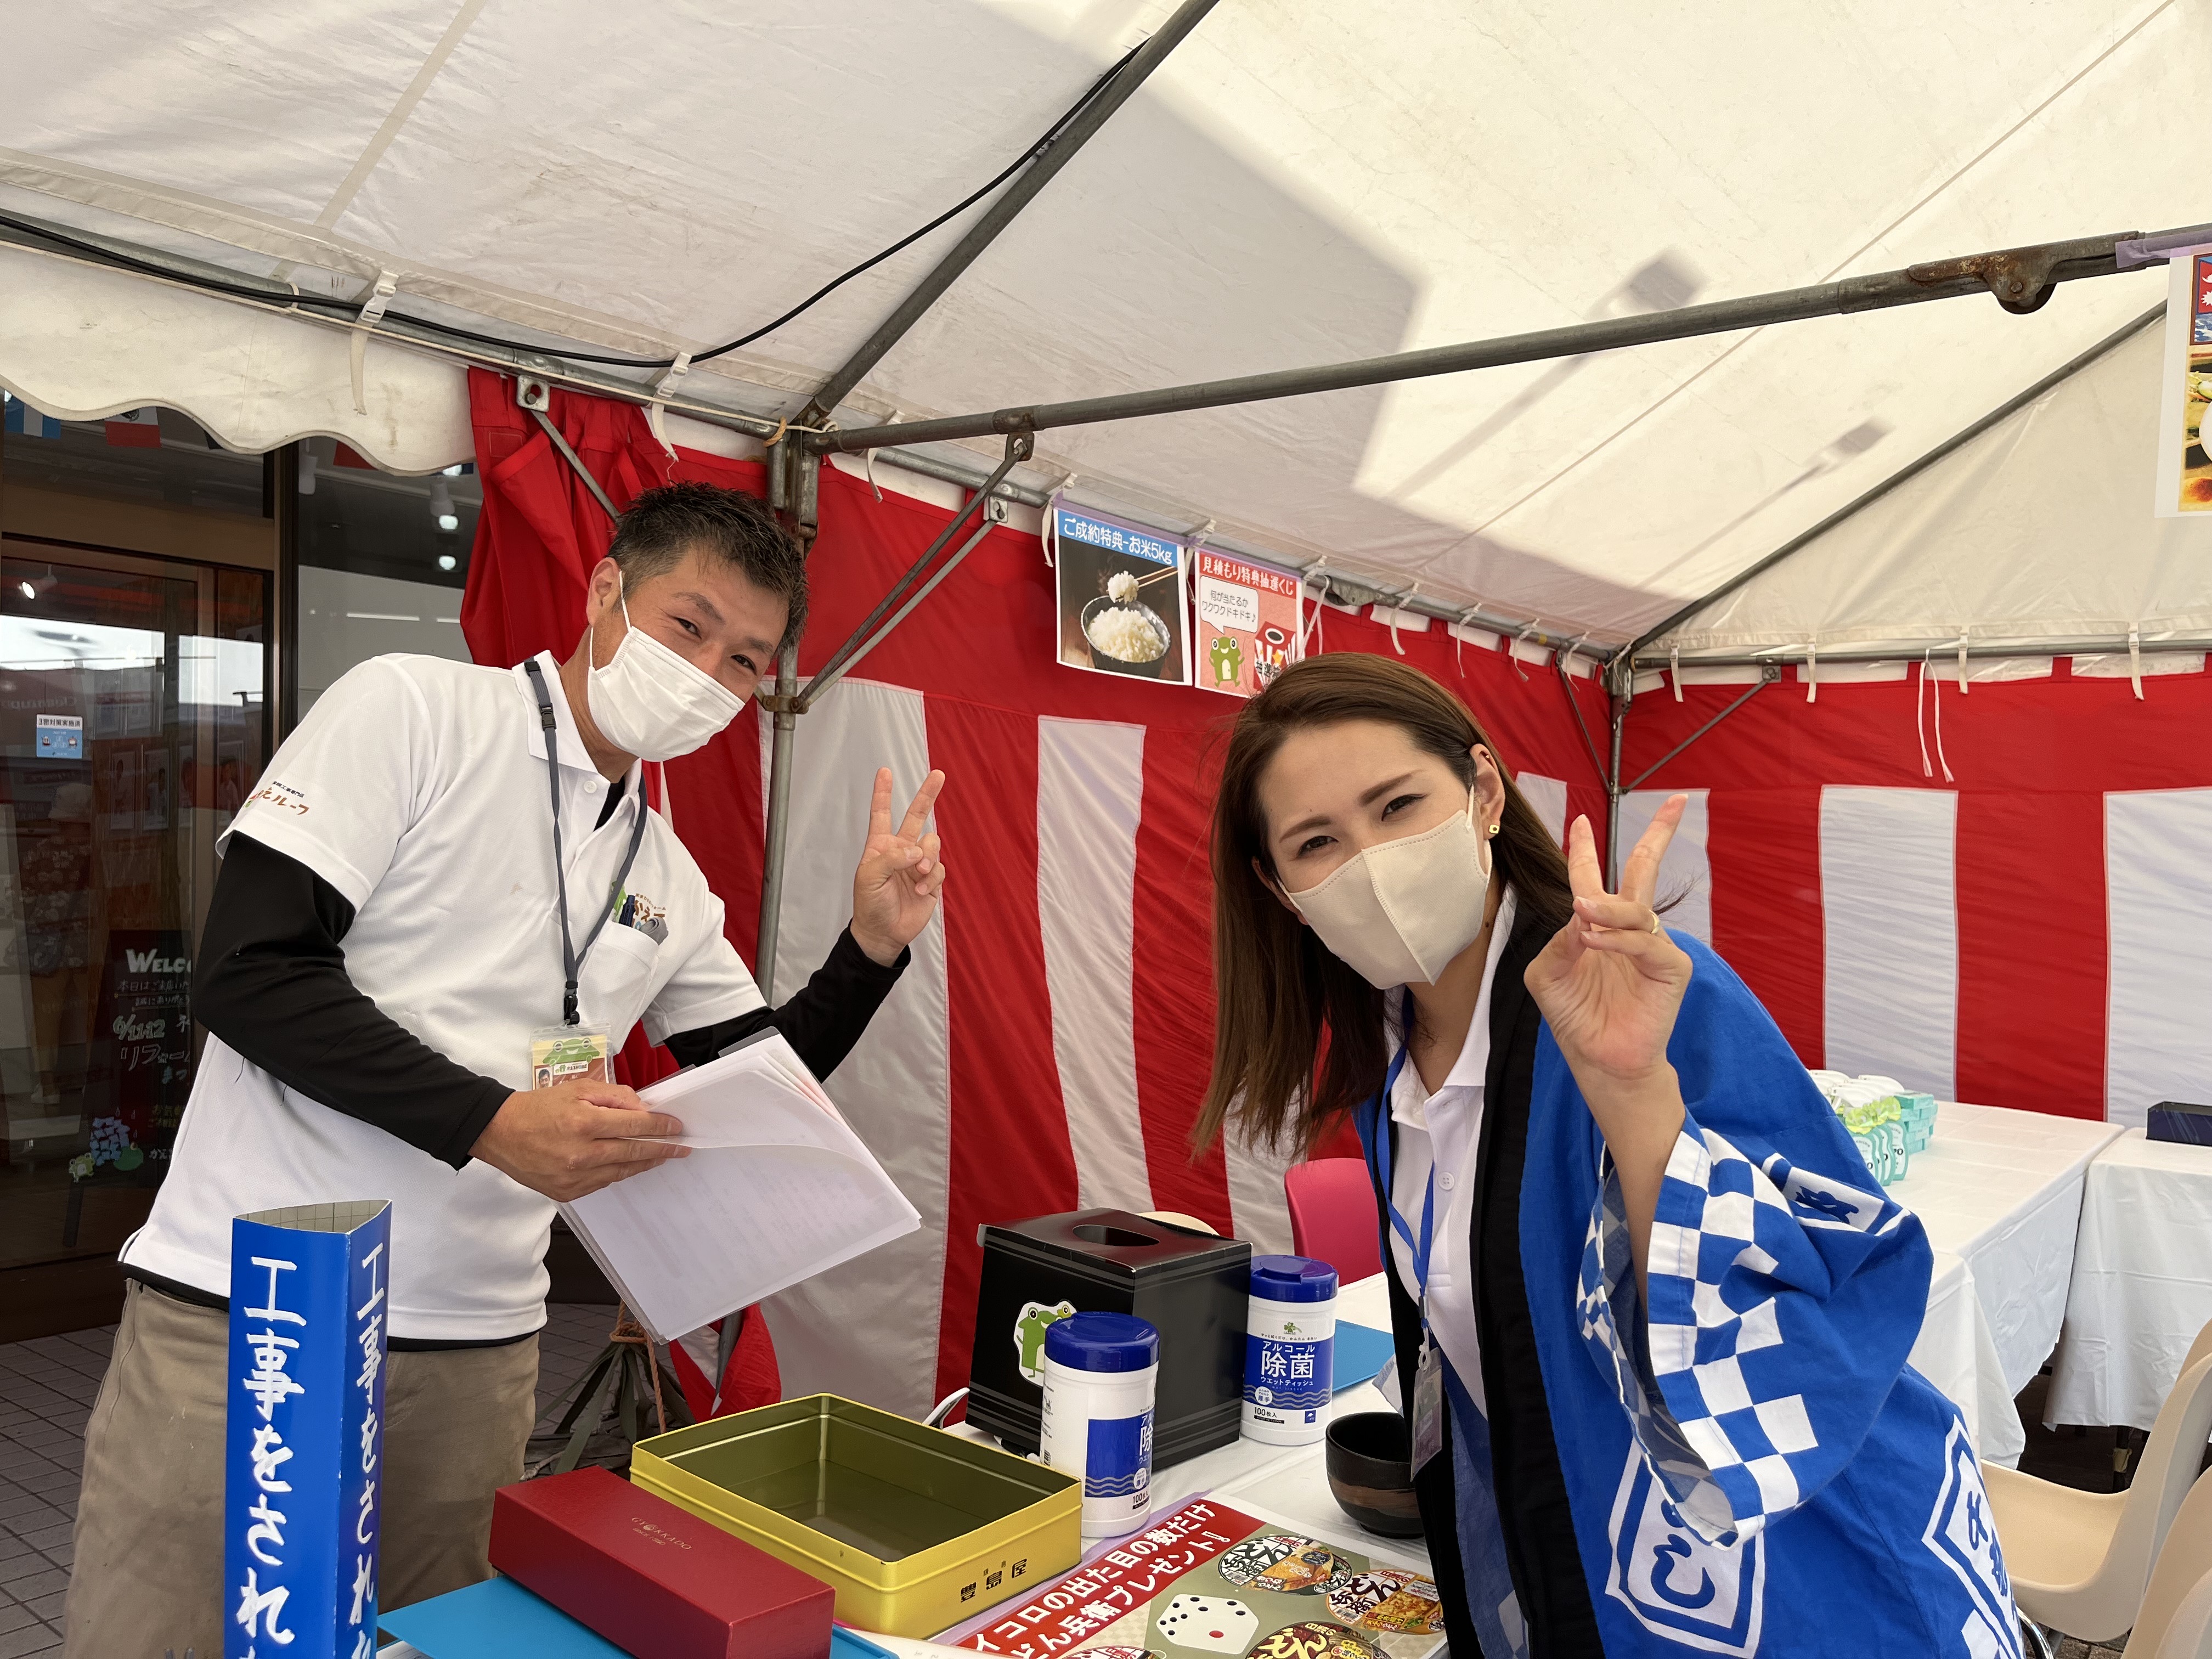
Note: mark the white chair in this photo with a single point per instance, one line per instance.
(2190, 1634)
(2175, 1621)
(2079, 1561)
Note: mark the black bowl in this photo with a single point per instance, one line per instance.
(1150, 671)
(1370, 1473)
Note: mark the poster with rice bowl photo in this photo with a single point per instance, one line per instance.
(1122, 598)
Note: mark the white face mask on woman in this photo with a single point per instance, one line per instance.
(1400, 911)
(649, 702)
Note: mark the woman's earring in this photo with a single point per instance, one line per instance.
(1495, 828)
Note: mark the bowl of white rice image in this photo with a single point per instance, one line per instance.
(1126, 639)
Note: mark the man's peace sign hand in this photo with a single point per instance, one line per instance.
(895, 888)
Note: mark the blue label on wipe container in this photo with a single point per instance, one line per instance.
(1119, 1463)
(1292, 1378)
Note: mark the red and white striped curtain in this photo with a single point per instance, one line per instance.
(1048, 1047)
(2033, 934)
(2034, 931)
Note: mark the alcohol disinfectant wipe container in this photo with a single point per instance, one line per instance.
(1289, 1343)
(1100, 1369)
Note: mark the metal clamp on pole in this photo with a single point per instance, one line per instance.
(534, 397)
(880, 621)
(1768, 674)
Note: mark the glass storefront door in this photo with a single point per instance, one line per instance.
(134, 717)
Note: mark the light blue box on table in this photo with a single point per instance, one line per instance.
(303, 1441)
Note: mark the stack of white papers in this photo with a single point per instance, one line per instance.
(777, 1189)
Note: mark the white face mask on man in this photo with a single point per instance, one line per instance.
(648, 702)
(1398, 912)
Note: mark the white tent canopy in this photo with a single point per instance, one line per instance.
(2038, 529)
(1298, 184)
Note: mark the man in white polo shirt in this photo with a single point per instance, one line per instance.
(386, 936)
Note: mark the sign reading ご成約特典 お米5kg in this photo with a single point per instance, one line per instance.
(1122, 607)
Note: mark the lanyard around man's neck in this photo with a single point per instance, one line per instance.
(571, 958)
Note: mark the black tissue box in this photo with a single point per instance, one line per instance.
(1193, 1287)
(2180, 1120)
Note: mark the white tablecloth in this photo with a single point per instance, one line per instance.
(2142, 1283)
(1999, 1192)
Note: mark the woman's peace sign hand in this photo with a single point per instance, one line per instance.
(1610, 983)
(1611, 980)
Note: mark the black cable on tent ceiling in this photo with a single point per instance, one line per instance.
(351, 307)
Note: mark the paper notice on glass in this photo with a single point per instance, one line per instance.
(777, 1189)
(2184, 472)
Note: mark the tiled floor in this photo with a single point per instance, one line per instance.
(46, 1391)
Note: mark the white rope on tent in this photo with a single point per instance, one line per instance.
(2134, 660)
(1513, 652)
(1674, 669)
(1963, 686)
(1919, 704)
(1813, 670)
(1310, 636)
(1567, 656)
(1411, 592)
(868, 466)
(1458, 637)
(1051, 538)
(372, 313)
(656, 411)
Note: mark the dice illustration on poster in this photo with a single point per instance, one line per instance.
(1209, 1624)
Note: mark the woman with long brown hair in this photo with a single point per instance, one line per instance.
(1652, 1313)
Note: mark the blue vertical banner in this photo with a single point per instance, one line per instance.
(304, 1441)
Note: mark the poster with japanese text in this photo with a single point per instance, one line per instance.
(1247, 623)
(1209, 1579)
(2184, 468)
(1122, 600)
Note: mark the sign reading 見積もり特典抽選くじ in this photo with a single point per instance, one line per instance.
(1247, 623)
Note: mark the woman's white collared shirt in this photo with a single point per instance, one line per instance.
(1442, 1132)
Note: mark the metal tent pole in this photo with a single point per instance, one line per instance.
(2022, 279)
(794, 481)
(1621, 694)
(1941, 650)
(1001, 214)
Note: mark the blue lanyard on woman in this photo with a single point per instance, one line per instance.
(1383, 1159)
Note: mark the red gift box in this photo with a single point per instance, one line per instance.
(654, 1579)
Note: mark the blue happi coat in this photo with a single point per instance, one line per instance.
(1754, 1468)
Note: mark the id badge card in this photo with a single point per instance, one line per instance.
(570, 1053)
(1428, 1404)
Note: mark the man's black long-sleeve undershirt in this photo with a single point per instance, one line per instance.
(272, 984)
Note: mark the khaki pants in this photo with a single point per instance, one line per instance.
(147, 1572)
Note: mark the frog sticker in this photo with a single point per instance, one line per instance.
(1227, 658)
(1029, 1326)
